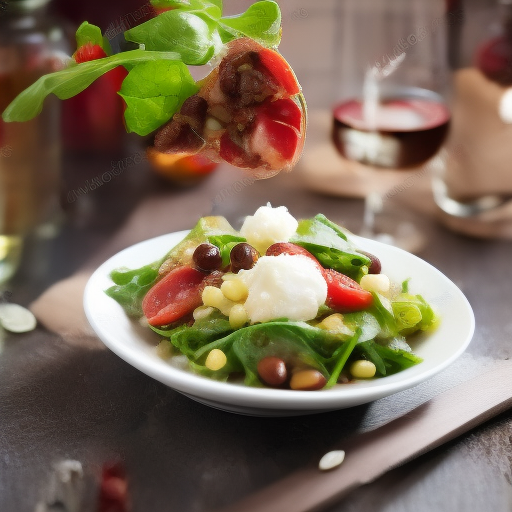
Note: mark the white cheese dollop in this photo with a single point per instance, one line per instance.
(284, 286)
(267, 226)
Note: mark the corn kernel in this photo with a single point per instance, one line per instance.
(216, 360)
(214, 298)
(235, 290)
(238, 316)
(332, 322)
(375, 283)
(362, 369)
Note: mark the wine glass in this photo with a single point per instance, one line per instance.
(392, 94)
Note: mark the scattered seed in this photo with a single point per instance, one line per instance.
(16, 318)
(331, 460)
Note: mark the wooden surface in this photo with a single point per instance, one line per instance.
(66, 401)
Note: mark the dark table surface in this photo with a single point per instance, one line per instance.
(60, 401)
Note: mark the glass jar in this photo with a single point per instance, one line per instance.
(473, 190)
(31, 45)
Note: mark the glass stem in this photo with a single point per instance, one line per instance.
(372, 207)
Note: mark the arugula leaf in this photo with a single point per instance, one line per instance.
(320, 217)
(261, 21)
(343, 356)
(192, 37)
(153, 92)
(330, 247)
(71, 81)
(212, 7)
(130, 287)
(88, 33)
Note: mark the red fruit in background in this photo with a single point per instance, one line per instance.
(184, 170)
(174, 296)
(494, 59)
(89, 52)
(93, 119)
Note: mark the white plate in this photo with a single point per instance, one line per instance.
(136, 345)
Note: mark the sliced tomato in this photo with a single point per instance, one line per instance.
(280, 70)
(175, 296)
(284, 111)
(276, 142)
(292, 249)
(344, 294)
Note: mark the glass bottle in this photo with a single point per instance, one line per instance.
(31, 45)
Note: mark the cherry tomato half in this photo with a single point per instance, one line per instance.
(175, 296)
(344, 294)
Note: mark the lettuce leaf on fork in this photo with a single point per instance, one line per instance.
(192, 32)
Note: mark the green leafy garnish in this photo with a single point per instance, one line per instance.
(328, 243)
(153, 92)
(88, 33)
(261, 21)
(192, 33)
(130, 287)
(73, 80)
(188, 34)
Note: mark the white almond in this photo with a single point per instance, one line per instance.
(331, 460)
(16, 318)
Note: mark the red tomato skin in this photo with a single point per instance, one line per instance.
(280, 70)
(283, 111)
(174, 296)
(89, 52)
(344, 294)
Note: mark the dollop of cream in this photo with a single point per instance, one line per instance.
(284, 286)
(267, 226)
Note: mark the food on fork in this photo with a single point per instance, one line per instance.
(248, 111)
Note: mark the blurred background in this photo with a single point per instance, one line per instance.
(80, 145)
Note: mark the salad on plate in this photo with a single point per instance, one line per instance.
(280, 303)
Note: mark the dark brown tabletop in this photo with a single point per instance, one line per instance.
(60, 401)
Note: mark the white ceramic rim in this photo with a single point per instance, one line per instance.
(457, 327)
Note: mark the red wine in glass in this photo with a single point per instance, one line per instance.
(406, 129)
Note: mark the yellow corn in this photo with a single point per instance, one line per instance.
(216, 360)
(235, 290)
(238, 316)
(362, 369)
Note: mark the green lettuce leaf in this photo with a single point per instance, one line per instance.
(194, 38)
(261, 21)
(330, 247)
(153, 92)
(130, 287)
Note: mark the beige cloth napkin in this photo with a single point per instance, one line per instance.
(369, 455)
(477, 160)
